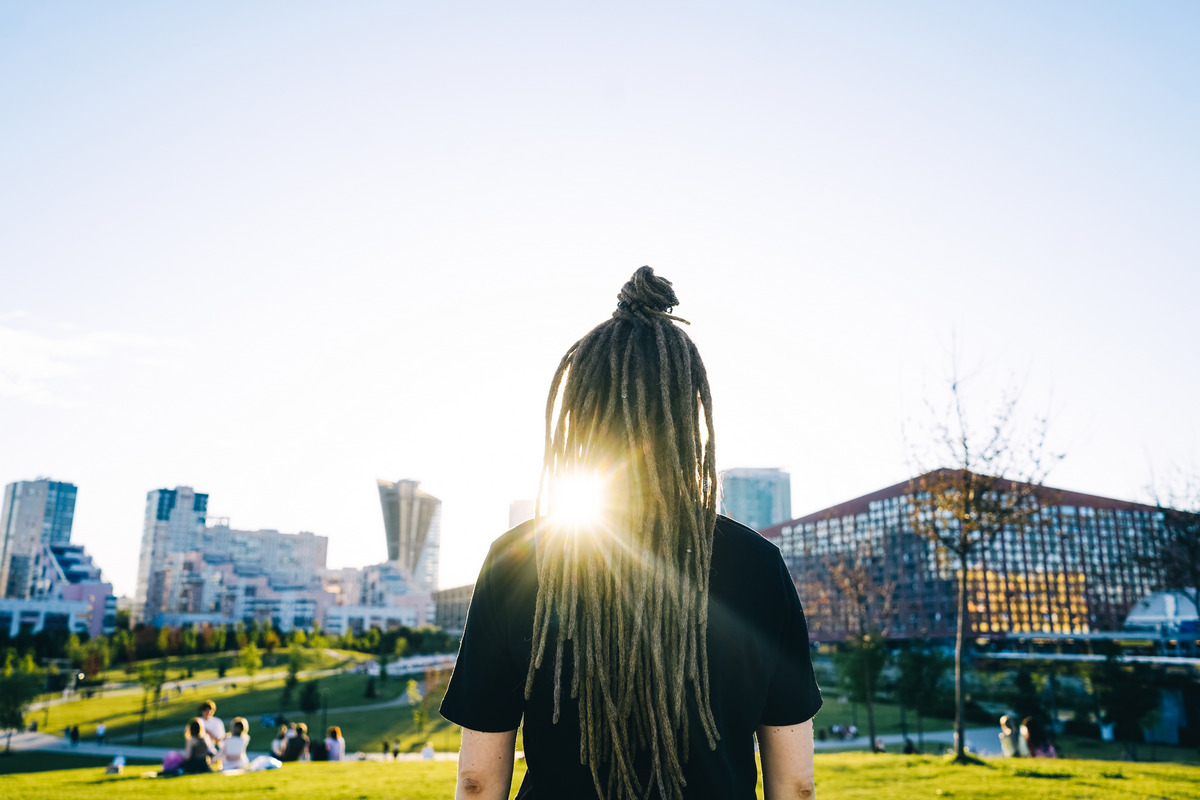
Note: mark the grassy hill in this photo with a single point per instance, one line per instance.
(843, 775)
(363, 723)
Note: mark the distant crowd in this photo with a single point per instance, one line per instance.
(208, 748)
(1027, 739)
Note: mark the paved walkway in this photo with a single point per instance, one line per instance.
(44, 742)
(980, 741)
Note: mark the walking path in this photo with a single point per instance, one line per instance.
(402, 700)
(47, 743)
(980, 741)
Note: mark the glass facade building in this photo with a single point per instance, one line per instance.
(1074, 568)
(757, 498)
(34, 513)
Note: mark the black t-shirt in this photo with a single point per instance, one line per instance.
(758, 655)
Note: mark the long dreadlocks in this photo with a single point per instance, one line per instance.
(634, 404)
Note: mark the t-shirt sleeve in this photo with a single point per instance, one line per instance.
(792, 695)
(486, 691)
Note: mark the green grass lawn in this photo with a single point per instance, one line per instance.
(204, 665)
(848, 776)
(363, 730)
(34, 761)
(887, 718)
(120, 710)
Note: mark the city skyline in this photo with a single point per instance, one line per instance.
(235, 241)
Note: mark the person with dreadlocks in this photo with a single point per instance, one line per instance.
(642, 646)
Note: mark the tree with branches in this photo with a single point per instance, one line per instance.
(151, 678)
(920, 668)
(1177, 558)
(866, 607)
(20, 682)
(989, 479)
(250, 660)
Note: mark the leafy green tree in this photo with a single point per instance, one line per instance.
(1126, 696)
(163, 642)
(418, 709)
(865, 608)
(310, 698)
(190, 641)
(20, 683)
(297, 659)
(250, 660)
(151, 678)
(270, 641)
(1027, 697)
(920, 670)
(217, 638)
(74, 651)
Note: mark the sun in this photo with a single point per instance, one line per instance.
(577, 500)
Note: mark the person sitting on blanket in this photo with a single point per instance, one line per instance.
(233, 747)
(198, 751)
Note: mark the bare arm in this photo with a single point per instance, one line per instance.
(485, 765)
(787, 761)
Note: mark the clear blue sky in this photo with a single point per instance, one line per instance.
(276, 251)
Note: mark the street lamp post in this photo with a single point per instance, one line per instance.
(324, 709)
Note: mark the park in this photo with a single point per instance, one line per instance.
(402, 711)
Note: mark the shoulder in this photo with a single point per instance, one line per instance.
(513, 553)
(745, 564)
(733, 539)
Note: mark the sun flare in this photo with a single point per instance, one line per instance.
(577, 500)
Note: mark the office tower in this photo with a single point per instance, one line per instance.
(757, 498)
(34, 513)
(174, 523)
(1074, 569)
(412, 524)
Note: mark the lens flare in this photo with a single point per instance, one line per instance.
(577, 500)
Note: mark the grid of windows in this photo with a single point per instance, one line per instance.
(1071, 570)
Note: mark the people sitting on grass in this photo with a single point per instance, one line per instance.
(1037, 736)
(279, 743)
(212, 723)
(198, 752)
(296, 748)
(335, 745)
(232, 751)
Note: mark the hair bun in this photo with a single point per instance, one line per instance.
(646, 294)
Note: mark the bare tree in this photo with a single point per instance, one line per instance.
(865, 601)
(988, 479)
(1177, 558)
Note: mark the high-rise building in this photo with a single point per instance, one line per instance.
(412, 523)
(66, 593)
(174, 523)
(231, 576)
(757, 498)
(1075, 568)
(34, 513)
